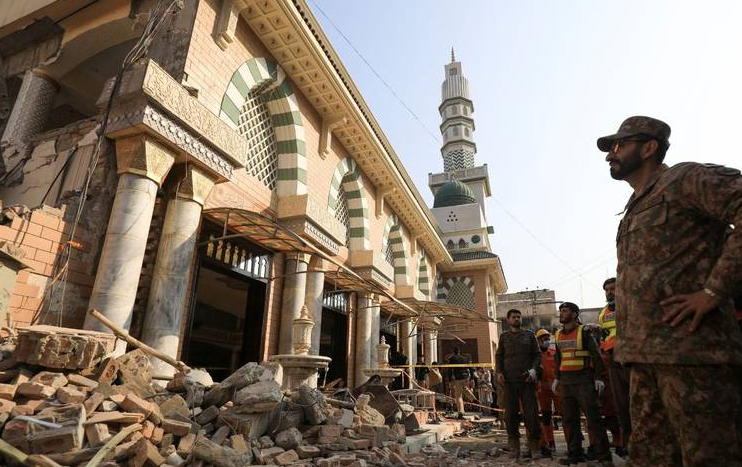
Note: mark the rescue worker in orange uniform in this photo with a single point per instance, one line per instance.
(548, 401)
(579, 377)
(619, 375)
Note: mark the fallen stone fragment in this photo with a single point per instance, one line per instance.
(62, 348)
(289, 439)
(220, 456)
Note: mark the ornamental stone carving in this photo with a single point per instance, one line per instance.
(142, 155)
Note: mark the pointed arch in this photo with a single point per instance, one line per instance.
(347, 177)
(458, 291)
(400, 248)
(264, 77)
(423, 281)
(387, 251)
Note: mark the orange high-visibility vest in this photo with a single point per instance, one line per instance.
(570, 347)
(607, 321)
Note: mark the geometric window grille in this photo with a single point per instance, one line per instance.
(460, 294)
(389, 253)
(257, 127)
(342, 211)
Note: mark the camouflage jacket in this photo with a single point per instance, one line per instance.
(675, 239)
(517, 353)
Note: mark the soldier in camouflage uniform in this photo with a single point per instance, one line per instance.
(679, 264)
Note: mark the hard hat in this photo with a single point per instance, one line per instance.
(542, 332)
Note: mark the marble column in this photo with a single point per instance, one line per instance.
(364, 344)
(313, 300)
(292, 298)
(375, 331)
(173, 267)
(142, 166)
(31, 108)
(428, 346)
(408, 340)
(434, 345)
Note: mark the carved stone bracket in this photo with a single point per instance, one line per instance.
(329, 123)
(370, 265)
(151, 101)
(191, 182)
(142, 155)
(381, 199)
(317, 223)
(226, 24)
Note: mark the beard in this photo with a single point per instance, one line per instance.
(632, 162)
(515, 325)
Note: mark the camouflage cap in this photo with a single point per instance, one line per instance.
(638, 125)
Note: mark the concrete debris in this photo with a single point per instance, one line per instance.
(60, 396)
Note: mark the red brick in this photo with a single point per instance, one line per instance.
(15, 301)
(6, 233)
(37, 266)
(22, 276)
(45, 257)
(32, 304)
(45, 219)
(26, 290)
(51, 234)
(36, 242)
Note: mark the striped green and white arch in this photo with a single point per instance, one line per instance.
(399, 248)
(423, 280)
(269, 78)
(347, 176)
(458, 291)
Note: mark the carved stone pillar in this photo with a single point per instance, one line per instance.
(375, 331)
(166, 305)
(142, 166)
(364, 344)
(408, 339)
(313, 300)
(428, 346)
(292, 299)
(31, 109)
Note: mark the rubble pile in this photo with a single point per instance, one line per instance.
(62, 398)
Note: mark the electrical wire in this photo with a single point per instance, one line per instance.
(157, 18)
(373, 70)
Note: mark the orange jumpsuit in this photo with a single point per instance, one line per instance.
(548, 402)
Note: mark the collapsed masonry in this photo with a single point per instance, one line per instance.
(62, 398)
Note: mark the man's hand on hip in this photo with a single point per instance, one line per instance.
(682, 306)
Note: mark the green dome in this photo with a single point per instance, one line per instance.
(453, 193)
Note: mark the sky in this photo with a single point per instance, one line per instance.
(547, 78)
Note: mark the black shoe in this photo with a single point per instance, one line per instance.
(590, 454)
(572, 460)
(621, 452)
(546, 452)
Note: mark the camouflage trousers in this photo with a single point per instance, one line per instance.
(685, 416)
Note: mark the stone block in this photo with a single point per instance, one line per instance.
(289, 439)
(134, 403)
(148, 429)
(307, 451)
(176, 427)
(220, 456)
(263, 396)
(36, 390)
(6, 406)
(34, 438)
(80, 380)
(107, 371)
(250, 425)
(97, 434)
(286, 458)
(135, 368)
(263, 456)
(157, 434)
(93, 401)
(50, 378)
(69, 395)
(209, 414)
(221, 435)
(175, 407)
(186, 444)
(62, 348)
(238, 443)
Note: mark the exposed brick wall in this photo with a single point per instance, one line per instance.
(41, 235)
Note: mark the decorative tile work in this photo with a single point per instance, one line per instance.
(264, 78)
(347, 177)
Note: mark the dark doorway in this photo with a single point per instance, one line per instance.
(334, 344)
(333, 341)
(468, 348)
(225, 328)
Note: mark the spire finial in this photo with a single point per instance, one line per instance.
(453, 57)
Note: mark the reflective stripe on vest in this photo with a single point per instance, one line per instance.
(570, 348)
(607, 321)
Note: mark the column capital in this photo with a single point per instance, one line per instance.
(190, 182)
(298, 256)
(142, 155)
(317, 264)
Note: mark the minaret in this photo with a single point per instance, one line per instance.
(457, 125)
